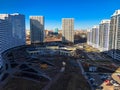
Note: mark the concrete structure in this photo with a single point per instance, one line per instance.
(18, 29)
(12, 31)
(68, 30)
(5, 37)
(67, 52)
(51, 51)
(17, 22)
(95, 36)
(37, 29)
(114, 36)
(89, 37)
(104, 29)
(47, 51)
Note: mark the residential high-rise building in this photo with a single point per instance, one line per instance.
(12, 31)
(114, 36)
(18, 29)
(104, 29)
(5, 37)
(95, 36)
(68, 30)
(89, 37)
(17, 22)
(37, 29)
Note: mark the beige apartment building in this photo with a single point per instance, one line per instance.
(68, 30)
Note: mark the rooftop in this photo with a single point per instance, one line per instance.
(117, 12)
(105, 21)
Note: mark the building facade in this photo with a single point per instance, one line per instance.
(5, 37)
(68, 30)
(114, 36)
(95, 36)
(37, 29)
(89, 37)
(12, 31)
(18, 29)
(104, 29)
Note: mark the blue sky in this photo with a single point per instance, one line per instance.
(86, 12)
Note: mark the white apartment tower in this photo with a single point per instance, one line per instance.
(104, 29)
(37, 29)
(68, 30)
(95, 36)
(114, 36)
(89, 37)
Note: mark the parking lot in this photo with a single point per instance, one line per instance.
(103, 81)
(105, 77)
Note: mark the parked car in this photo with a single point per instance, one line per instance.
(95, 85)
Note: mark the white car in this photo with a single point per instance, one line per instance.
(92, 79)
(115, 84)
